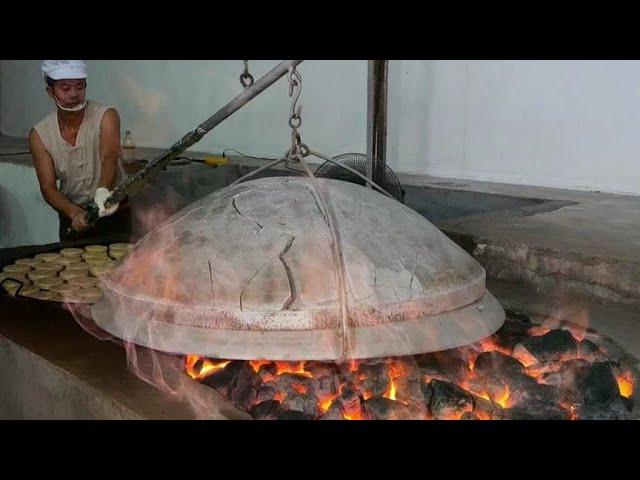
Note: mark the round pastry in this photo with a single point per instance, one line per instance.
(47, 283)
(99, 270)
(28, 261)
(71, 252)
(43, 295)
(48, 257)
(69, 274)
(29, 290)
(78, 268)
(96, 249)
(90, 294)
(17, 276)
(48, 267)
(37, 275)
(83, 282)
(11, 286)
(64, 289)
(17, 269)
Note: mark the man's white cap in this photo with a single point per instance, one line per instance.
(64, 69)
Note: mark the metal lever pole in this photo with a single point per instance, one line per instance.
(137, 180)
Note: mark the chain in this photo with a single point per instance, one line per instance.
(246, 79)
(298, 149)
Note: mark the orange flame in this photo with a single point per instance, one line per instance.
(354, 414)
(295, 368)
(325, 404)
(208, 367)
(396, 369)
(502, 399)
(353, 365)
(298, 387)
(625, 384)
(483, 415)
(390, 393)
(256, 364)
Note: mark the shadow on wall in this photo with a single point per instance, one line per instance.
(13, 220)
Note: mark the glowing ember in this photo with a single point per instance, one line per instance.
(538, 331)
(207, 368)
(301, 389)
(256, 364)
(625, 384)
(503, 399)
(462, 390)
(524, 357)
(326, 403)
(355, 414)
(295, 368)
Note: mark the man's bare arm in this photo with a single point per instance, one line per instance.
(109, 148)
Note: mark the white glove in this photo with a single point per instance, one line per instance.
(99, 197)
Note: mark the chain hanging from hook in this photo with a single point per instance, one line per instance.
(246, 79)
(298, 149)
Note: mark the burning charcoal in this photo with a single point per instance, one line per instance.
(380, 408)
(268, 410)
(284, 383)
(448, 364)
(246, 387)
(527, 392)
(326, 386)
(408, 391)
(267, 372)
(598, 384)
(628, 403)
(513, 331)
(469, 416)
(334, 412)
(553, 345)
(321, 369)
(542, 411)
(350, 401)
(224, 380)
(427, 392)
(564, 375)
(449, 400)
(616, 410)
(265, 393)
(496, 363)
(485, 409)
(373, 379)
(294, 415)
(590, 351)
(543, 368)
(302, 403)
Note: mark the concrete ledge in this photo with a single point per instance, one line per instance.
(50, 368)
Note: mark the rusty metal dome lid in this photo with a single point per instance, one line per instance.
(252, 271)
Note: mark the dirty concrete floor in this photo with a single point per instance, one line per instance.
(599, 224)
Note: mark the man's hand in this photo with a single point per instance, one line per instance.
(100, 196)
(78, 222)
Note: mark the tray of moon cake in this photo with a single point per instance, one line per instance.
(69, 275)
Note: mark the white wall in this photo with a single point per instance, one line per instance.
(568, 124)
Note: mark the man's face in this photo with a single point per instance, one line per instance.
(69, 92)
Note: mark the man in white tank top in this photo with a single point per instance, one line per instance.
(78, 145)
